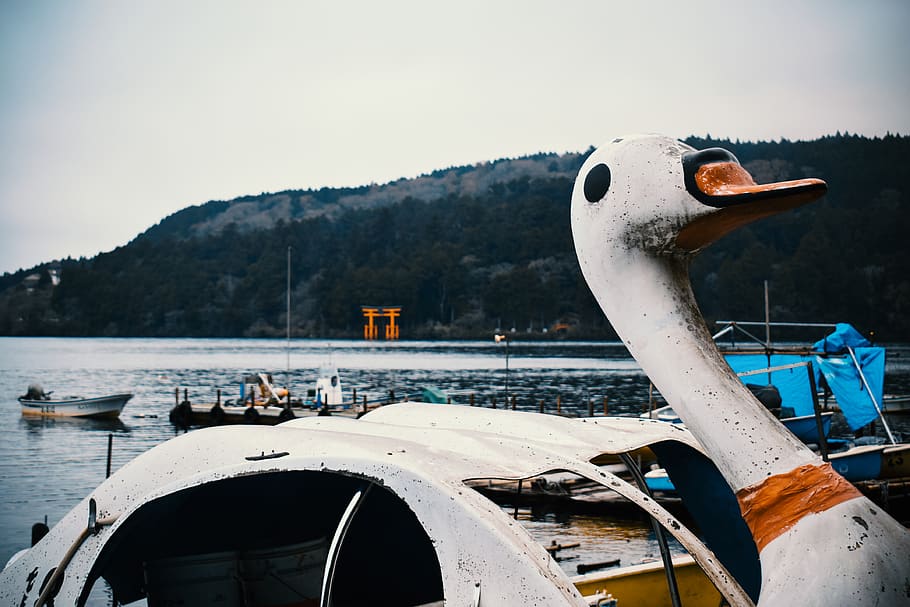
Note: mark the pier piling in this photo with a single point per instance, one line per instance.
(110, 448)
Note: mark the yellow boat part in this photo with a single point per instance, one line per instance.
(646, 586)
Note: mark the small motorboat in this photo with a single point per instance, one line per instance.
(38, 402)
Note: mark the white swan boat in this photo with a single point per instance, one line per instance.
(380, 503)
(380, 509)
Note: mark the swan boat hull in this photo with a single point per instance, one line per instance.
(381, 502)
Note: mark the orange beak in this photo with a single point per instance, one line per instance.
(715, 178)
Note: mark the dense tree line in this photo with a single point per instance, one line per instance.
(464, 264)
(845, 258)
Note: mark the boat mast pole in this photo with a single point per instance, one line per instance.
(767, 330)
(287, 375)
(871, 396)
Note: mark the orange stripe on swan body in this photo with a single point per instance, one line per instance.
(776, 504)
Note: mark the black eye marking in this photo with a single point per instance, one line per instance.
(597, 183)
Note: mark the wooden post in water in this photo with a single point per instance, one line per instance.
(590, 408)
(218, 397)
(586, 567)
(558, 404)
(493, 401)
(513, 402)
(110, 448)
(472, 399)
(176, 396)
(364, 403)
(354, 395)
(541, 405)
(605, 405)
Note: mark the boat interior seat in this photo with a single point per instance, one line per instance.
(224, 540)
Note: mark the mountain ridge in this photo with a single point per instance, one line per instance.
(264, 210)
(468, 249)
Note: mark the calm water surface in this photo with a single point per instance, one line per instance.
(47, 466)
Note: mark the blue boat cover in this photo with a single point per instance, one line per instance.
(843, 337)
(793, 384)
(834, 363)
(847, 385)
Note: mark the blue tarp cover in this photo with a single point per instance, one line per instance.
(847, 385)
(793, 384)
(835, 364)
(844, 336)
(843, 378)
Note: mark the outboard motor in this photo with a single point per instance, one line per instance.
(35, 392)
(769, 396)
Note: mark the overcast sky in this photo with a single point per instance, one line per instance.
(115, 114)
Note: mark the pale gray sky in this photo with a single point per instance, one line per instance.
(116, 114)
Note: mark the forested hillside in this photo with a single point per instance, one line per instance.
(471, 248)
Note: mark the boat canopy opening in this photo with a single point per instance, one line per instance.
(710, 504)
(266, 539)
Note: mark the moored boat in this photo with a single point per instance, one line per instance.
(260, 402)
(896, 403)
(643, 585)
(804, 427)
(851, 371)
(38, 403)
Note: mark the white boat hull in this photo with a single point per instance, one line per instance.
(102, 406)
(896, 403)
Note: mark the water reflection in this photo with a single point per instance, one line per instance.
(35, 424)
(600, 538)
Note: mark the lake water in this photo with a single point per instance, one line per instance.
(48, 465)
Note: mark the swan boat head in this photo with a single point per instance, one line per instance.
(642, 207)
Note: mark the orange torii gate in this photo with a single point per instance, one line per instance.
(373, 313)
(370, 330)
(391, 329)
